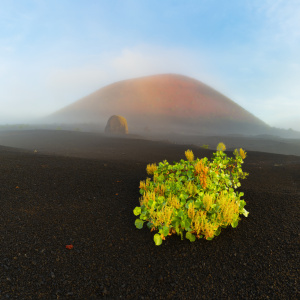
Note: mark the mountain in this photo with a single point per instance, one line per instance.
(163, 103)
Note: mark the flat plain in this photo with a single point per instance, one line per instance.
(62, 188)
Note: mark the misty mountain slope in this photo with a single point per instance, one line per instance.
(166, 102)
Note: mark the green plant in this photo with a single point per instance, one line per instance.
(205, 146)
(192, 196)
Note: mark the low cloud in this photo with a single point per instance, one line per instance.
(76, 82)
(41, 87)
(143, 60)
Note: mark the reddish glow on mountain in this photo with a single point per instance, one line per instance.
(169, 95)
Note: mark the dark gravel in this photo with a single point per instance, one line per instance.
(50, 201)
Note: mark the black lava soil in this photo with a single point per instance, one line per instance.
(49, 201)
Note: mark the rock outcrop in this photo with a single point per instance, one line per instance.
(116, 125)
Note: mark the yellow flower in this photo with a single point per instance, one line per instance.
(189, 155)
(243, 153)
(210, 229)
(173, 201)
(145, 184)
(207, 201)
(146, 197)
(198, 222)
(229, 208)
(191, 210)
(201, 170)
(221, 147)
(160, 189)
(191, 188)
(151, 168)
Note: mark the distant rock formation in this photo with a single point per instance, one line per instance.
(116, 125)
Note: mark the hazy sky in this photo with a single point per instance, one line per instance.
(53, 52)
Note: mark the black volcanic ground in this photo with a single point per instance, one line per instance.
(81, 188)
(77, 142)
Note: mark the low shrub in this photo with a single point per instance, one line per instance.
(195, 196)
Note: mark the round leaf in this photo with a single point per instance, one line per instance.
(137, 211)
(190, 237)
(157, 239)
(139, 223)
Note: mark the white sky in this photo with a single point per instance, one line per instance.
(54, 52)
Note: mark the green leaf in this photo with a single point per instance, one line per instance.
(165, 230)
(160, 199)
(181, 235)
(175, 223)
(242, 204)
(180, 214)
(176, 219)
(190, 174)
(150, 203)
(157, 239)
(235, 223)
(139, 223)
(187, 223)
(137, 211)
(198, 204)
(143, 217)
(190, 237)
(218, 231)
(245, 212)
